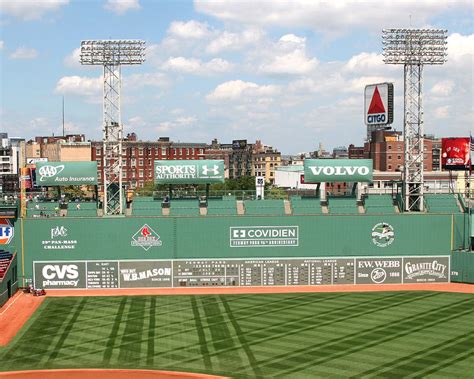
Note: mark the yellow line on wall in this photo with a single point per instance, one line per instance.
(22, 253)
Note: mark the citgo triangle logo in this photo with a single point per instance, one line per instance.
(376, 104)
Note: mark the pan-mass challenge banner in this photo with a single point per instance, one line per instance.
(240, 272)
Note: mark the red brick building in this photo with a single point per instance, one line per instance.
(138, 157)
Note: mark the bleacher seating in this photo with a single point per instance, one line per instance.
(186, 207)
(305, 206)
(441, 203)
(379, 204)
(87, 209)
(5, 258)
(223, 206)
(146, 206)
(264, 207)
(42, 208)
(342, 205)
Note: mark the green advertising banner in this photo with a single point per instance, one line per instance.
(338, 170)
(189, 172)
(66, 173)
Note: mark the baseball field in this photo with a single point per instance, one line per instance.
(362, 334)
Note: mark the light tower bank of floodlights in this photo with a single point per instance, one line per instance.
(414, 48)
(112, 54)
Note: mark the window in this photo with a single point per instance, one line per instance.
(124, 162)
(140, 151)
(124, 174)
(140, 162)
(133, 162)
(98, 151)
(389, 157)
(163, 152)
(140, 173)
(399, 157)
(389, 166)
(390, 147)
(180, 151)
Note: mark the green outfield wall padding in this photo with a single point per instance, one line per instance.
(462, 266)
(9, 283)
(170, 237)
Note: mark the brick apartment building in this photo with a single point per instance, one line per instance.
(138, 157)
(387, 152)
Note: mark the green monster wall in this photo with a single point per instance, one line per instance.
(73, 239)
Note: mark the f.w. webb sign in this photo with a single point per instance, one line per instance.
(338, 170)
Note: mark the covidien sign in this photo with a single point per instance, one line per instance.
(338, 170)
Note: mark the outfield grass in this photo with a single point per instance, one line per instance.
(379, 334)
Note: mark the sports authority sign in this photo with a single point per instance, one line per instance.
(379, 104)
(66, 173)
(338, 170)
(264, 236)
(189, 172)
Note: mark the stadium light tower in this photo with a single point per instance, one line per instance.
(112, 54)
(414, 48)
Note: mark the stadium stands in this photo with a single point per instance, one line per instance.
(305, 206)
(223, 206)
(264, 207)
(379, 204)
(5, 258)
(86, 209)
(185, 207)
(441, 203)
(146, 206)
(342, 205)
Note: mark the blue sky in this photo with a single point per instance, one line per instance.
(291, 73)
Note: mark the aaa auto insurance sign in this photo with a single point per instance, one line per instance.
(379, 104)
(189, 171)
(66, 173)
(338, 170)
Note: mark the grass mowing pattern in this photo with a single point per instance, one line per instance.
(372, 334)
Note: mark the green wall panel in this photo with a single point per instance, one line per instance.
(59, 239)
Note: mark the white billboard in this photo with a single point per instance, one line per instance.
(378, 104)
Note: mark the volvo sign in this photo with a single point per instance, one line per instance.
(338, 170)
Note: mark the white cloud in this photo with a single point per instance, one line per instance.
(189, 30)
(287, 57)
(460, 47)
(27, 10)
(294, 63)
(81, 86)
(443, 88)
(73, 59)
(120, 7)
(328, 16)
(150, 79)
(365, 62)
(240, 90)
(442, 112)
(1, 44)
(227, 41)
(24, 53)
(196, 66)
(178, 123)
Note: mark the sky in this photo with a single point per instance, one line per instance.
(289, 73)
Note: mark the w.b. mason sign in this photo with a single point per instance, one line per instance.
(338, 170)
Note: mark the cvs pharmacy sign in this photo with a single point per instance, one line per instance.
(338, 170)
